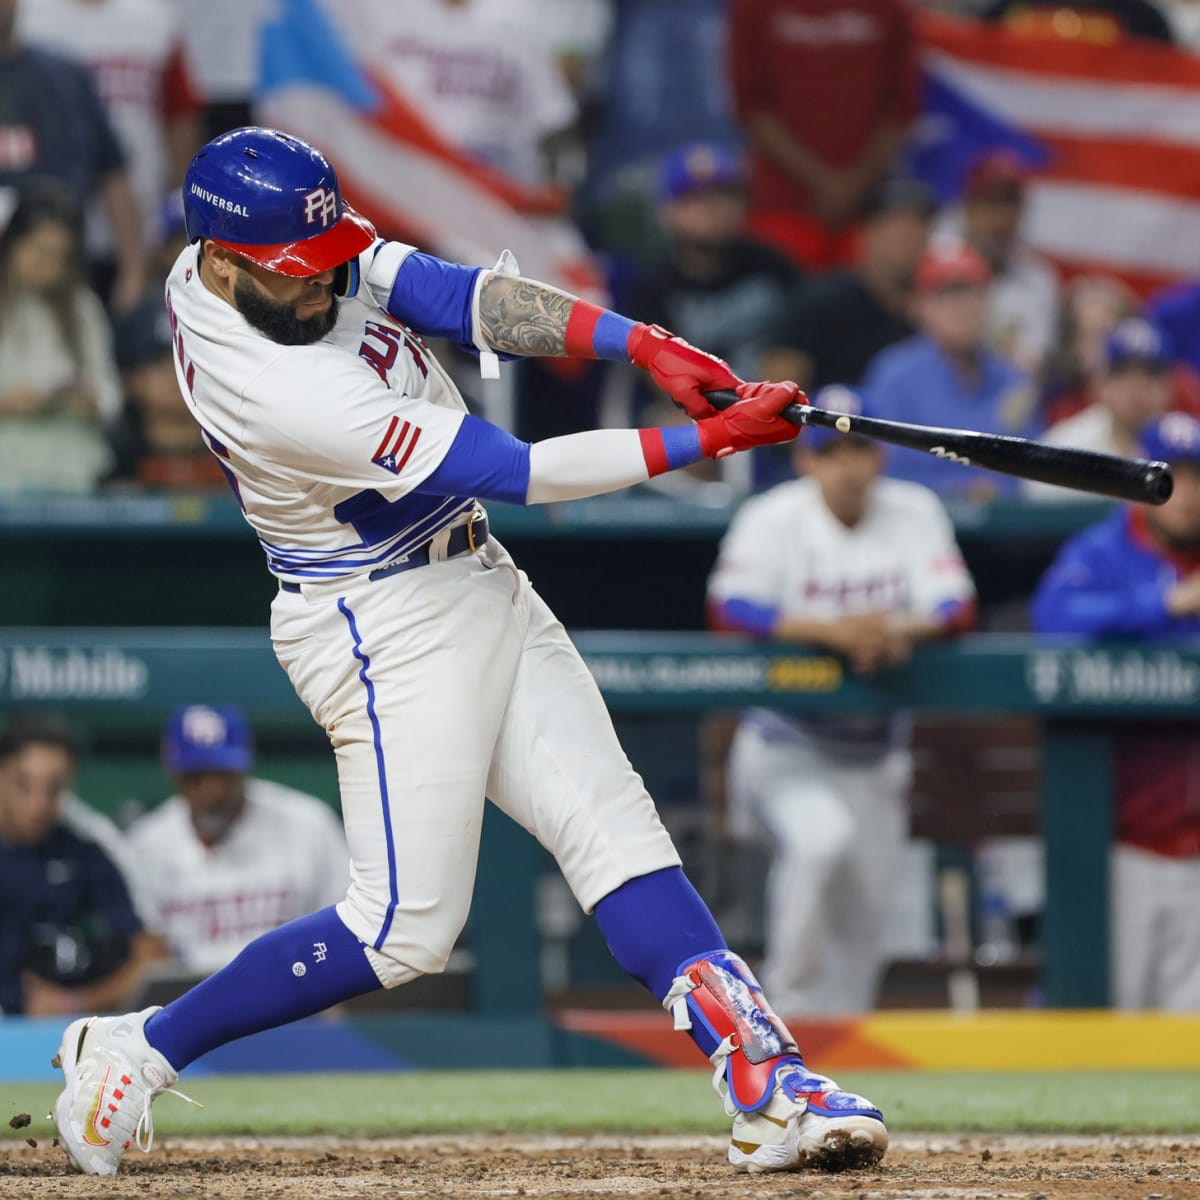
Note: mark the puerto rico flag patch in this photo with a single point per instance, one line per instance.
(397, 445)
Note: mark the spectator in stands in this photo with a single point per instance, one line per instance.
(1132, 389)
(160, 443)
(825, 93)
(1177, 312)
(1098, 22)
(58, 384)
(229, 856)
(842, 320)
(53, 123)
(866, 568)
(133, 51)
(657, 52)
(713, 285)
(1137, 575)
(1091, 307)
(221, 41)
(70, 940)
(948, 374)
(482, 81)
(1023, 294)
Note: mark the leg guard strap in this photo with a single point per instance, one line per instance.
(719, 991)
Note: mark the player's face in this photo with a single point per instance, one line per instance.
(708, 217)
(953, 316)
(893, 243)
(32, 784)
(1178, 521)
(992, 226)
(844, 471)
(292, 312)
(215, 800)
(42, 258)
(1135, 395)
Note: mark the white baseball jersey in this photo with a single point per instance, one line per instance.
(284, 857)
(324, 445)
(786, 551)
(479, 74)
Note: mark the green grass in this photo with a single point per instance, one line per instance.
(593, 1101)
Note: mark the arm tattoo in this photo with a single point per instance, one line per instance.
(522, 316)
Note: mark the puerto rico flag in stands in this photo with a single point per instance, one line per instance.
(1112, 132)
(393, 167)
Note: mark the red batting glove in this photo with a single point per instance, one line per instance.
(682, 371)
(753, 421)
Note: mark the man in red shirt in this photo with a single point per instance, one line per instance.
(825, 90)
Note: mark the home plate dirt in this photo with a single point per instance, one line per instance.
(937, 1167)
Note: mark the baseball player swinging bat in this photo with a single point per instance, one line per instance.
(1135, 479)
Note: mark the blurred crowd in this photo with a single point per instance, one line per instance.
(738, 170)
(735, 180)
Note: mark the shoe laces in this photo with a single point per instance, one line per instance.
(143, 1134)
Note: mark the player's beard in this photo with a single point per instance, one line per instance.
(279, 321)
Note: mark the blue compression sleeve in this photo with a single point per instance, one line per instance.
(483, 460)
(653, 925)
(435, 297)
(294, 971)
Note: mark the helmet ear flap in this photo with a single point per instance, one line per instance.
(345, 279)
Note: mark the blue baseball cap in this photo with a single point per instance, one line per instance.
(839, 398)
(697, 165)
(1173, 437)
(202, 737)
(1136, 340)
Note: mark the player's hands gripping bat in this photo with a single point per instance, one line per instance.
(752, 420)
(682, 371)
(1135, 479)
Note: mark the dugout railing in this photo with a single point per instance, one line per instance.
(121, 682)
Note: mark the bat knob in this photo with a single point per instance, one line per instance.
(1158, 482)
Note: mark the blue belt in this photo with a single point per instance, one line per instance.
(463, 539)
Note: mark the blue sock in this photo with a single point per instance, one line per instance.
(653, 925)
(294, 971)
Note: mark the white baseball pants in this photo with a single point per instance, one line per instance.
(836, 831)
(1154, 913)
(438, 686)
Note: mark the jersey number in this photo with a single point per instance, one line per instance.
(382, 357)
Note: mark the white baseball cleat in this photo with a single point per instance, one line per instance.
(808, 1122)
(111, 1076)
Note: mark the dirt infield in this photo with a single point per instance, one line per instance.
(975, 1167)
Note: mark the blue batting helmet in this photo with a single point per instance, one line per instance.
(275, 200)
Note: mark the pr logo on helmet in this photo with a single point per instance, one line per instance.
(320, 203)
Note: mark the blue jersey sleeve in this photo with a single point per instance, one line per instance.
(435, 298)
(1093, 590)
(485, 461)
(748, 616)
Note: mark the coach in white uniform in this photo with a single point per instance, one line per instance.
(228, 856)
(866, 567)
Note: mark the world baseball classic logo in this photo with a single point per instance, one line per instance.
(320, 203)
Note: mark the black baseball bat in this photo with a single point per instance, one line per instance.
(1136, 479)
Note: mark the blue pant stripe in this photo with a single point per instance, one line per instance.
(381, 767)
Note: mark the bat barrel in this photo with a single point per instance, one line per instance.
(1133, 479)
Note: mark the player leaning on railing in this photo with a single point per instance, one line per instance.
(438, 672)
